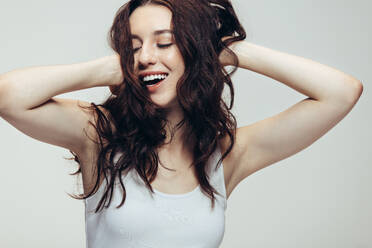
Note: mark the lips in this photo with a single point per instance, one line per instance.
(153, 87)
(149, 73)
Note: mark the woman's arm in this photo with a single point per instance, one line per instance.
(315, 80)
(28, 102)
(331, 95)
(30, 87)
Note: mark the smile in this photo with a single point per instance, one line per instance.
(152, 82)
(154, 86)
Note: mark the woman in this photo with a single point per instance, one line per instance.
(162, 130)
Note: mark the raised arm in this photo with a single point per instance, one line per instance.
(315, 80)
(331, 95)
(30, 87)
(27, 99)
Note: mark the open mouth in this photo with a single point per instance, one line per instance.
(152, 80)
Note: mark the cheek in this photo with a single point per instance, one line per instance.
(175, 56)
(135, 62)
(175, 61)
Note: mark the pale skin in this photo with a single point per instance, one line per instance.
(28, 102)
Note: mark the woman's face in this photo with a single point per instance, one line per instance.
(155, 53)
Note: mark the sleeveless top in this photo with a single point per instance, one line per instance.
(158, 220)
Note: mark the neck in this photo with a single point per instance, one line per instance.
(176, 137)
(179, 147)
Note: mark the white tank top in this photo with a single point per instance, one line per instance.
(161, 221)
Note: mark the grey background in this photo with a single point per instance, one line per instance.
(320, 197)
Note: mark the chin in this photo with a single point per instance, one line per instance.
(165, 103)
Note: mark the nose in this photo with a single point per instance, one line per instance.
(147, 55)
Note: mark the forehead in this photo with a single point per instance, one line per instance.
(149, 18)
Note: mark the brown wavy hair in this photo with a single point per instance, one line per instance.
(198, 28)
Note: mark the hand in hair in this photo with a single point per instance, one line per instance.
(225, 57)
(117, 75)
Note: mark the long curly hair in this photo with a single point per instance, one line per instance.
(198, 29)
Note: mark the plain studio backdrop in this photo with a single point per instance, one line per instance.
(320, 197)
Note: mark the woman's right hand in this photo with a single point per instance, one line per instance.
(117, 76)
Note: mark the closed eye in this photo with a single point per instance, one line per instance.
(159, 45)
(164, 45)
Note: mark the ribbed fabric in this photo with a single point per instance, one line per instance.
(160, 220)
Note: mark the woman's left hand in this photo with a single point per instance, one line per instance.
(225, 57)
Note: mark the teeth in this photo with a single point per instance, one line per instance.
(152, 77)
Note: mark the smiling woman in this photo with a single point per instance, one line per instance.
(168, 117)
(156, 52)
(151, 155)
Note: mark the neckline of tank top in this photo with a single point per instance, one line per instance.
(187, 194)
(167, 195)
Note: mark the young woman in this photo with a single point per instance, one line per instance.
(161, 156)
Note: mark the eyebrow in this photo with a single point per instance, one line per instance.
(157, 32)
